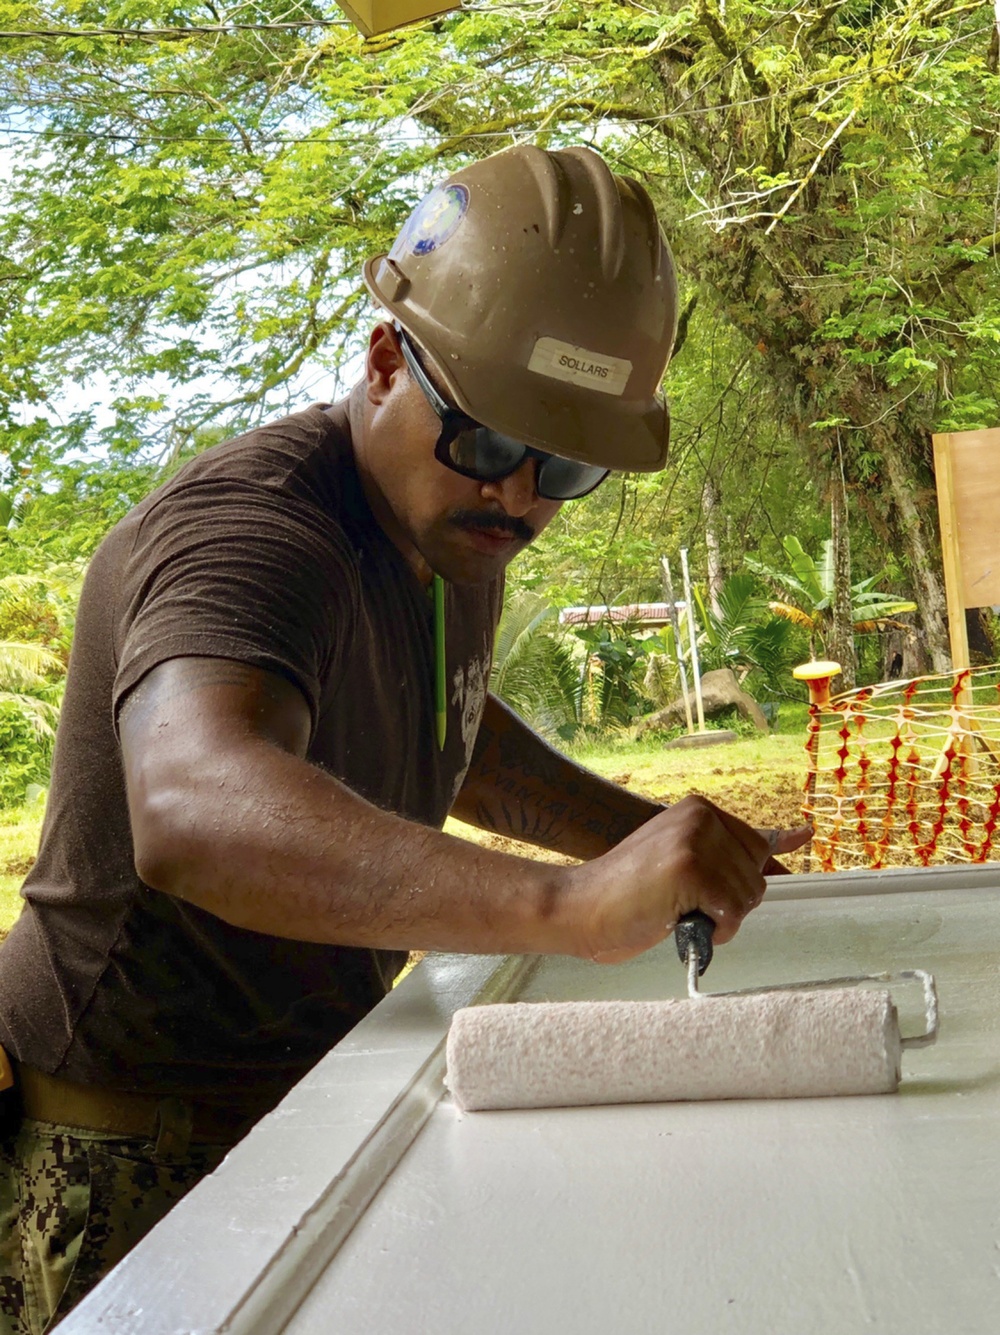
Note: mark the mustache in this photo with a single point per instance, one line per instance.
(493, 521)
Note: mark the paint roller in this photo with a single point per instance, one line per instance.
(797, 1040)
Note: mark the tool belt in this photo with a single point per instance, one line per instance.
(172, 1123)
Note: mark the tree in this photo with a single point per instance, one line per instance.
(199, 201)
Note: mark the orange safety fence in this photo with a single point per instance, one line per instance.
(905, 773)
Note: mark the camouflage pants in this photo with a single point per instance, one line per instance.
(72, 1203)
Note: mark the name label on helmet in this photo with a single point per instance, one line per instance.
(578, 366)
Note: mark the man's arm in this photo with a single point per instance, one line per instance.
(521, 787)
(228, 815)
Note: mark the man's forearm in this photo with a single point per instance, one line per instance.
(521, 787)
(228, 815)
(280, 847)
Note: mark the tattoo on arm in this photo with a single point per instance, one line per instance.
(530, 792)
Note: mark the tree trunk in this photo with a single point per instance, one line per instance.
(904, 654)
(841, 642)
(928, 586)
(710, 500)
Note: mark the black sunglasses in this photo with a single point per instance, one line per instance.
(467, 447)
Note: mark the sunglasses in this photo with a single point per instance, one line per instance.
(467, 447)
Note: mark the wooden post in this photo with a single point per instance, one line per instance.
(693, 630)
(944, 474)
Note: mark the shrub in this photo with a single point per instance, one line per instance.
(25, 754)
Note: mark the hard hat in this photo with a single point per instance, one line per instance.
(542, 290)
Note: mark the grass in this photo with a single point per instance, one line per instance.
(661, 773)
(19, 830)
(759, 778)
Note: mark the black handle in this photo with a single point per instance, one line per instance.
(694, 932)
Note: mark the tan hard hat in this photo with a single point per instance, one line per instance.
(542, 289)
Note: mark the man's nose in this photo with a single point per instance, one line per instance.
(515, 492)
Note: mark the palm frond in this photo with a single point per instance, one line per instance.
(42, 715)
(26, 667)
(534, 671)
(522, 616)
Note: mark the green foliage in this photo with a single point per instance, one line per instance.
(25, 751)
(724, 633)
(615, 668)
(30, 687)
(190, 210)
(564, 682)
(772, 648)
(36, 621)
(534, 669)
(746, 636)
(809, 583)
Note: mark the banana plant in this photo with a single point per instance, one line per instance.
(809, 586)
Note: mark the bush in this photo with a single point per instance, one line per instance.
(25, 755)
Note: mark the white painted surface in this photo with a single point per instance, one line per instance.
(890, 880)
(774, 1218)
(835, 1216)
(211, 1264)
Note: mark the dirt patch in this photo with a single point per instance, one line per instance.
(17, 866)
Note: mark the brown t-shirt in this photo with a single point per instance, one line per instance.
(263, 550)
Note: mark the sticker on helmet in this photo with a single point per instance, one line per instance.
(578, 366)
(433, 222)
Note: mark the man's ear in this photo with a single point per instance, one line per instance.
(383, 363)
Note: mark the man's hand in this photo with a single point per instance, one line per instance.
(691, 856)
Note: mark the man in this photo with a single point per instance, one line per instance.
(267, 720)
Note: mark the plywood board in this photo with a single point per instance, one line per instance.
(951, 556)
(796, 1217)
(974, 510)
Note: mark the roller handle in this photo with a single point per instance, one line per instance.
(694, 932)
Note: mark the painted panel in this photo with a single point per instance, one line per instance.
(767, 1218)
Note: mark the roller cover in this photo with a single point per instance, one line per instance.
(777, 1045)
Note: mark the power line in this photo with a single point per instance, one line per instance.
(201, 30)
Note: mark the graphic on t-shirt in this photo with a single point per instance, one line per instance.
(471, 684)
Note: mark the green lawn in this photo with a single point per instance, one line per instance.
(18, 844)
(658, 772)
(759, 778)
